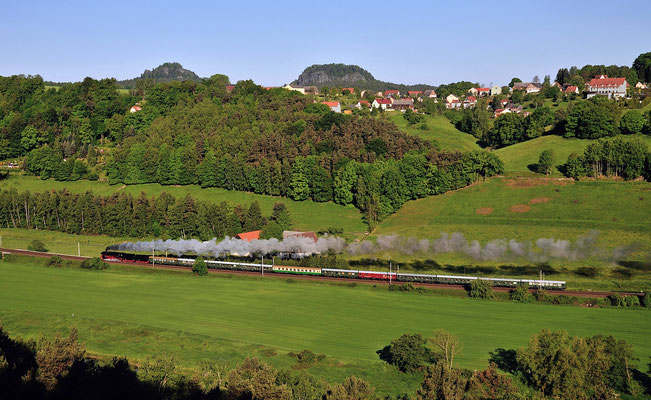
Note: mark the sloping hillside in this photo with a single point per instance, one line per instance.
(439, 130)
(166, 72)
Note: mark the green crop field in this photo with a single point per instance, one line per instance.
(518, 157)
(439, 130)
(139, 314)
(306, 215)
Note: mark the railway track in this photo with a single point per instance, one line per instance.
(275, 275)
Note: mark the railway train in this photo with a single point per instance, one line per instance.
(113, 256)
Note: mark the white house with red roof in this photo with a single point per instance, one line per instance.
(452, 101)
(334, 105)
(135, 108)
(382, 103)
(392, 93)
(469, 102)
(602, 85)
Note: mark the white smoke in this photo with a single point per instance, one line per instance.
(541, 250)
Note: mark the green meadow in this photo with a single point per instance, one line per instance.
(439, 130)
(141, 314)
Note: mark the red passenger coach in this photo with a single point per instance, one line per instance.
(376, 275)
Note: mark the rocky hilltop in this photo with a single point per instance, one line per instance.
(167, 72)
(348, 75)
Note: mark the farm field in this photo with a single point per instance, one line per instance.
(519, 156)
(306, 215)
(440, 130)
(148, 313)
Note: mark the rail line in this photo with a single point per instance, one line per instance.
(276, 275)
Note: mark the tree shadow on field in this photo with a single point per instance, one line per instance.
(504, 359)
(533, 167)
(636, 265)
(385, 354)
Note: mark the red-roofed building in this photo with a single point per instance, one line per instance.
(362, 103)
(414, 93)
(309, 235)
(572, 89)
(382, 103)
(469, 102)
(229, 88)
(334, 105)
(393, 93)
(501, 111)
(602, 85)
(350, 90)
(135, 108)
(248, 236)
(483, 91)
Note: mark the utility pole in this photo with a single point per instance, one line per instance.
(153, 255)
(262, 266)
(389, 273)
(78, 249)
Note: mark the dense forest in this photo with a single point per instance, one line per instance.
(274, 142)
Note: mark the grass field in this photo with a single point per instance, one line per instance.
(619, 211)
(148, 313)
(519, 156)
(440, 130)
(306, 215)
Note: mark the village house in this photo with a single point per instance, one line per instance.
(229, 88)
(414, 93)
(362, 103)
(334, 105)
(495, 90)
(469, 102)
(602, 85)
(403, 104)
(473, 91)
(452, 101)
(382, 103)
(248, 236)
(572, 89)
(392, 93)
(483, 91)
(528, 87)
(302, 89)
(501, 111)
(350, 90)
(135, 108)
(640, 86)
(429, 93)
(558, 85)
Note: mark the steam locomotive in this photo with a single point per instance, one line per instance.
(188, 261)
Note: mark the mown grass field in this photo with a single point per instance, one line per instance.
(306, 215)
(518, 157)
(439, 130)
(59, 242)
(148, 313)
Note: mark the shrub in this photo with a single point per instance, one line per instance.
(562, 299)
(617, 300)
(408, 352)
(540, 295)
(55, 261)
(199, 267)
(588, 272)
(645, 300)
(37, 245)
(520, 293)
(8, 257)
(94, 263)
(632, 301)
(480, 289)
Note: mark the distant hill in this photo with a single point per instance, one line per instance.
(349, 75)
(167, 72)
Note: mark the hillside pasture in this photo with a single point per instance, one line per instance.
(439, 130)
(139, 315)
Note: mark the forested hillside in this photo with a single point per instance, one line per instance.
(325, 75)
(274, 142)
(166, 72)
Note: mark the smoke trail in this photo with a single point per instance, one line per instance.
(541, 250)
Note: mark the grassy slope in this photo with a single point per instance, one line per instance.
(619, 211)
(341, 322)
(439, 130)
(307, 215)
(518, 156)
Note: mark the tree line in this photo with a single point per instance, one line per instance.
(628, 159)
(123, 214)
(552, 365)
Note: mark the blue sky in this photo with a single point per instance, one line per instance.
(271, 42)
